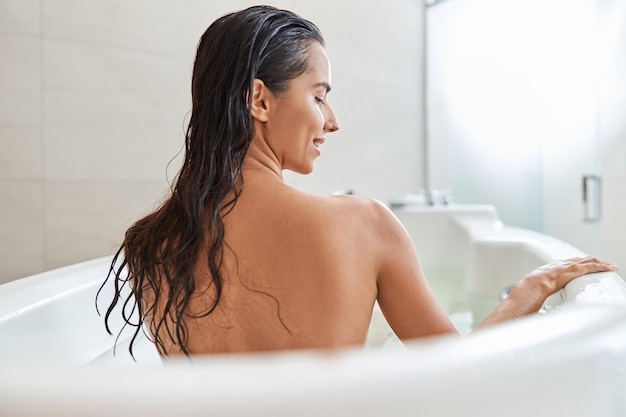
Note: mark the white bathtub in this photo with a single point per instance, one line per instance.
(469, 256)
(56, 359)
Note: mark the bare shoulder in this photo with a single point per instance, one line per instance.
(351, 209)
(338, 221)
(359, 219)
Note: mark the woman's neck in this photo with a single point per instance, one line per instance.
(261, 162)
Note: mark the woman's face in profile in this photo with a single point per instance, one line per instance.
(300, 118)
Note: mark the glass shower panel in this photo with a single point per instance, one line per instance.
(512, 99)
(611, 58)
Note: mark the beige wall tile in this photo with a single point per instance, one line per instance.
(121, 112)
(87, 219)
(155, 25)
(22, 231)
(20, 16)
(21, 155)
(380, 44)
(110, 137)
(20, 80)
(84, 66)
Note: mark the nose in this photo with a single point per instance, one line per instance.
(331, 124)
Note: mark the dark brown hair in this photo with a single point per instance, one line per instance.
(160, 251)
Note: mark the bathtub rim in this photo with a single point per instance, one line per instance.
(348, 379)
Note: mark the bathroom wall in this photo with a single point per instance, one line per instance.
(94, 97)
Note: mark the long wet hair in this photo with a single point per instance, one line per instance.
(159, 253)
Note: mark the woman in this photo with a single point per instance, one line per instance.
(237, 261)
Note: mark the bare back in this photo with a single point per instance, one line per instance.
(304, 271)
(296, 275)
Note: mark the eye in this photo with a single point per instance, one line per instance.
(319, 100)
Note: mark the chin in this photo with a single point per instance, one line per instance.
(303, 169)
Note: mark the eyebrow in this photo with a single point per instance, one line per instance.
(325, 85)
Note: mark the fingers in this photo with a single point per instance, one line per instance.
(556, 275)
(594, 263)
(590, 263)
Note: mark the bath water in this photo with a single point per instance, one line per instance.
(449, 284)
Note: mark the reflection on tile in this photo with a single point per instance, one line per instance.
(21, 155)
(87, 219)
(21, 223)
(20, 16)
(20, 81)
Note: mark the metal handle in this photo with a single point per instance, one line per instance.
(591, 198)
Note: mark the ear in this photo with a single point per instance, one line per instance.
(260, 96)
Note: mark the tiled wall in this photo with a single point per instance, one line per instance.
(94, 98)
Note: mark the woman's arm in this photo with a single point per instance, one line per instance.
(529, 294)
(404, 296)
(412, 310)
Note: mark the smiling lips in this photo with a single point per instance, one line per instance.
(318, 142)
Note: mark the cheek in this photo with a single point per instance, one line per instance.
(321, 116)
(308, 119)
(317, 115)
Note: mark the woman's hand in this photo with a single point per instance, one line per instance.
(555, 275)
(528, 295)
